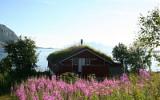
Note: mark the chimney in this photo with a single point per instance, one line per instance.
(81, 41)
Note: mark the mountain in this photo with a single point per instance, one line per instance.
(6, 35)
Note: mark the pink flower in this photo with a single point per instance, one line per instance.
(20, 92)
(35, 97)
(144, 74)
(32, 87)
(47, 97)
(124, 78)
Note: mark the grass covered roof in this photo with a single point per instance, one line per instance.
(67, 52)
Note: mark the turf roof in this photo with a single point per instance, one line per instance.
(67, 52)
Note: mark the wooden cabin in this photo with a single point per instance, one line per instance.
(83, 60)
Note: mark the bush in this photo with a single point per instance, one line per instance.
(69, 77)
(19, 64)
(22, 58)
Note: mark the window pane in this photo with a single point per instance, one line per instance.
(87, 61)
(75, 61)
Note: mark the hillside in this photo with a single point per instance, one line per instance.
(6, 35)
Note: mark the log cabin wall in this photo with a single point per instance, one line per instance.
(96, 65)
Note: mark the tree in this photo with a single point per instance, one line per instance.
(120, 52)
(134, 57)
(149, 34)
(22, 55)
(137, 57)
(150, 29)
(5, 65)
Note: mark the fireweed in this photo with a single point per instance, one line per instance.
(144, 74)
(51, 89)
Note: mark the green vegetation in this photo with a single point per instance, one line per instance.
(120, 52)
(140, 53)
(141, 86)
(138, 58)
(149, 34)
(150, 29)
(8, 97)
(134, 56)
(69, 77)
(22, 56)
(19, 64)
(62, 54)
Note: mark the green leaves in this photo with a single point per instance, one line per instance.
(22, 53)
(120, 52)
(149, 33)
(134, 57)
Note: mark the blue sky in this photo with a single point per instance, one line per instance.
(60, 23)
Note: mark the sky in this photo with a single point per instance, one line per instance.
(61, 23)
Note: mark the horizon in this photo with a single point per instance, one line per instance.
(59, 24)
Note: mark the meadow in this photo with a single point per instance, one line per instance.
(141, 86)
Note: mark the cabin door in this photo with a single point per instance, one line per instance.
(81, 63)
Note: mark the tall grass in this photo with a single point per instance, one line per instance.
(5, 84)
(141, 86)
(9, 79)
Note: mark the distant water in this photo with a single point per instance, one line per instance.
(2, 54)
(42, 58)
(44, 52)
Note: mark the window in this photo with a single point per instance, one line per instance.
(75, 61)
(87, 61)
(83, 61)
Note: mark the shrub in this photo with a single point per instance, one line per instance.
(69, 77)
